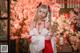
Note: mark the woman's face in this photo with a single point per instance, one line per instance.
(42, 13)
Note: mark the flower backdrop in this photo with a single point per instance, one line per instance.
(26, 9)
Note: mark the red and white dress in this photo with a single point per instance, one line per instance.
(39, 43)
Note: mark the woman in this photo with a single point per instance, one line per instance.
(41, 37)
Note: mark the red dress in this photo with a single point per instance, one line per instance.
(48, 47)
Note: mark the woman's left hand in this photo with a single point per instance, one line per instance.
(47, 38)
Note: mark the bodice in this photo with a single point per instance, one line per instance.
(43, 32)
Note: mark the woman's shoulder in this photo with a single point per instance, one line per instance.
(32, 25)
(33, 29)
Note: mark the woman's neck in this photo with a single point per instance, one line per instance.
(42, 19)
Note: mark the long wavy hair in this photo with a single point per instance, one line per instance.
(48, 16)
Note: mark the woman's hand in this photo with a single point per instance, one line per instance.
(47, 38)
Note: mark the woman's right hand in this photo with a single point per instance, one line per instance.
(47, 38)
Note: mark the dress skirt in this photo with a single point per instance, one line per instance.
(48, 47)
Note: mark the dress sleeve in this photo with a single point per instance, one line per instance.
(33, 32)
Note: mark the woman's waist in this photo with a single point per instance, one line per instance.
(48, 41)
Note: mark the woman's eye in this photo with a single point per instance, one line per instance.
(40, 11)
(44, 12)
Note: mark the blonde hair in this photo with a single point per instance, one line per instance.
(36, 18)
